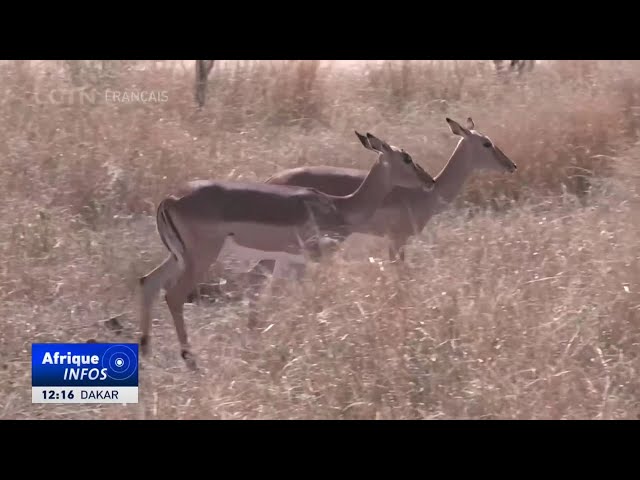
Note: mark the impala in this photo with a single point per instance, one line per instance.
(406, 211)
(515, 65)
(204, 216)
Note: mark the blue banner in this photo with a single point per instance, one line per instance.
(84, 364)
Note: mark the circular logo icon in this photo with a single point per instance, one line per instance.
(119, 360)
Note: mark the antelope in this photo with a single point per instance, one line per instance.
(205, 215)
(406, 211)
(515, 65)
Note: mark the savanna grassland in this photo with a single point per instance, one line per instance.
(522, 301)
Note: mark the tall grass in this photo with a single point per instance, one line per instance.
(528, 309)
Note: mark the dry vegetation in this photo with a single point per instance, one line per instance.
(527, 309)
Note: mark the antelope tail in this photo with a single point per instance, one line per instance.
(168, 231)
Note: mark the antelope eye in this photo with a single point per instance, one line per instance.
(407, 158)
(487, 144)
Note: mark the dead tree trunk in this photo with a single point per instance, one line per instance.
(203, 67)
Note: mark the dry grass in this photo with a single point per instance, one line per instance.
(531, 311)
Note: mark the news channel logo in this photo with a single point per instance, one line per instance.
(84, 372)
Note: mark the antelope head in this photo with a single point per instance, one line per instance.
(481, 151)
(403, 171)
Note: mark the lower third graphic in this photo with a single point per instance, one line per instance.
(84, 373)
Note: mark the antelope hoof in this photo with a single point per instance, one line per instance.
(189, 360)
(192, 297)
(253, 321)
(145, 348)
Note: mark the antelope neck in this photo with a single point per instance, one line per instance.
(455, 173)
(361, 204)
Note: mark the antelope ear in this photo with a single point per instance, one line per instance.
(377, 144)
(470, 124)
(364, 140)
(456, 128)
